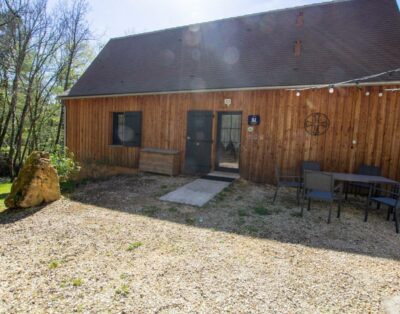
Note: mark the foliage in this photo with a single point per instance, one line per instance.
(63, 160)
(5, 189)
(43, 50)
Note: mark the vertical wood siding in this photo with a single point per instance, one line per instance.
(372, 121)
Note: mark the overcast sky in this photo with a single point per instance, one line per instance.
(114, 18)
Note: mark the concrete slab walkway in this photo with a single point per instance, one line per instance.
(200, 191)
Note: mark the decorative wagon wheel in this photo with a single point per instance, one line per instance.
(316, 124)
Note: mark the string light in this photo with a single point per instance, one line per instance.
(298, 94)
(367, 93)
(380, 94)
(331, 90)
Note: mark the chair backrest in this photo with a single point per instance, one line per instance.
(319, 181)
(369, 170)
(310, 165)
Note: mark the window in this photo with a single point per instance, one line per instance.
(127, 128)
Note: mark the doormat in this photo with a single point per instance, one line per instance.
(218, 178)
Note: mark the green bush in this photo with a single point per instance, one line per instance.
(63, 160)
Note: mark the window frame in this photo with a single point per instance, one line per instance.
(115, 130)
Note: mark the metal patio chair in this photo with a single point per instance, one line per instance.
(365, 170)
(310, 165)
(388, 197)
(288, 182)
(321, 186)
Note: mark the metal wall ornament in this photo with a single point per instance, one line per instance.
(316, 124)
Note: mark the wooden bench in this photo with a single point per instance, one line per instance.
(163, 161)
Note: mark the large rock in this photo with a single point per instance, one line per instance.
(37, 183)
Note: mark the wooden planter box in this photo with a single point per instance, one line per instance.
(161, 161)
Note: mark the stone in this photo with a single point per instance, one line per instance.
(37, 183)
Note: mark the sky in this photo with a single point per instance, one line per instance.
(115, 18)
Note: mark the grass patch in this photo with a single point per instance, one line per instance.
(261, 210)
(54, 264)
(134, 246)
(190, 221)
(77, 282)
(150, 210)
(251, 229)
(295, 214)
(5, 189)
(173, 209)
(243, 213)
(123, 290)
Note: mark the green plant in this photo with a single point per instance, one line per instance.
(190, 221)
(173, 209)
(54, 264)
(65, 164)
(77, 282)
(134, 246)
(261, 210)
(123, 290)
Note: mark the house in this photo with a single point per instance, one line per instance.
(316, 82)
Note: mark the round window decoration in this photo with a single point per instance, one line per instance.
(316, 124)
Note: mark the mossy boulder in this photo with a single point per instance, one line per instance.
(37, 183)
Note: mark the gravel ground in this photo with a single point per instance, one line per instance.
(112, 246)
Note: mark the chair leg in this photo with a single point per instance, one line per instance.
(330, 213)
(396, 217)
(276, 193)
(301, 207)
(378, 206)
(390, 210)
(366, 211)
(298, 195)
(339, 209)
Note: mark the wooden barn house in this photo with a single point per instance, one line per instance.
(244, 94)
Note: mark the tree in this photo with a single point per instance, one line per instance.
(42, 53)
(76, 38)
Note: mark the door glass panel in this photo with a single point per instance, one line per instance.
(229, 140)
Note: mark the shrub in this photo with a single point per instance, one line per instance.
(63, 160)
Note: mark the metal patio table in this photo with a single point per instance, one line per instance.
(360, 178)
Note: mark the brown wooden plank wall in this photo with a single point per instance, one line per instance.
(373, 121)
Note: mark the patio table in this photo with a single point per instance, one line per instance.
(360, 178)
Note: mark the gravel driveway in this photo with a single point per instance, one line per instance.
(113, 247)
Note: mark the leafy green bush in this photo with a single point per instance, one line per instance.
(63, 160)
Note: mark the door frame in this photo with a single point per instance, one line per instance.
(219, 120)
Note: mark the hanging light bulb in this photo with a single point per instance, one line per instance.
(331, 90)
(380, 94)
(298, 94)
(367, 93)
